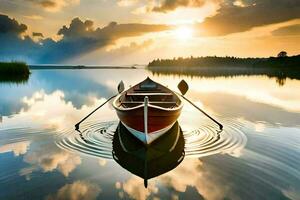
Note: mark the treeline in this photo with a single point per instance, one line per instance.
(212, 61)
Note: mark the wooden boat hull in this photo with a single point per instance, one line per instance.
(159, 122)
(148, 110)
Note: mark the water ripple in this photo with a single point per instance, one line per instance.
(206, 140)
(95, 139)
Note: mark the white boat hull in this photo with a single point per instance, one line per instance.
(149, 137)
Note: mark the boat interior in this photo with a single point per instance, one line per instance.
(157, 94)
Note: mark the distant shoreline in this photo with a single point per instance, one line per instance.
(279, 68)
(214, 61)
(41, 67)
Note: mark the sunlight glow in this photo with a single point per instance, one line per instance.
(184, 33)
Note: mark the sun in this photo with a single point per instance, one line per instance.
(183, 33)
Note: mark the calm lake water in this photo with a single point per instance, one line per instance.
(256, 156)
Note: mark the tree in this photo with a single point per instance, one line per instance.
(282, 54)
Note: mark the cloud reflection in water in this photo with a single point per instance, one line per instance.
(266, 166)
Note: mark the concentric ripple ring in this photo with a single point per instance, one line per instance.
(95, 139)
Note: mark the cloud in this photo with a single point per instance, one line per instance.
(37, 34)
(19, 148)
(13, 44)
(132, 47)
(80, 37)
(11, 26)
(33, 110)
(135, 188)
(34, 17)
(190, 173)
(163, 6)
(215, 183)
(50, 158)
(170, 5)
(194, 173)
(79, 190)
(79, 29)
(208, 181)
(126, 3)
(291, 30)
(127, 53)
(234, 18)
(54, 5)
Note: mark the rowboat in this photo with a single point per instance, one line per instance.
(162, 156)
(148, 110)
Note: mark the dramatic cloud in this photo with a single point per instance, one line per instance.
(232, 17)
(170, 5)
(79, 190)
(287, 30)
(81, 37)
(54, 5)
(11, 26)
(113, 31)
(13, 44)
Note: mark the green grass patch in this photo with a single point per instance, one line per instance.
(16, 72)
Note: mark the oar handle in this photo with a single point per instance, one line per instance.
(77, 125)
(207, 115)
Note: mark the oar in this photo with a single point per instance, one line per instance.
(120, 89)
(183, 87)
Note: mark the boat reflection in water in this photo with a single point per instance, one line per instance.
(163, 155)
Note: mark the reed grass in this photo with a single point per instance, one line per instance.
(17, 72)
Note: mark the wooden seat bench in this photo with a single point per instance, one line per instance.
(166, 104)
(149, 94)
(150, 102)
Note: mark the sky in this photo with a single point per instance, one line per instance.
(126, 32)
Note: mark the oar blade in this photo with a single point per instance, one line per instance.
(183, 87)
(121, 87)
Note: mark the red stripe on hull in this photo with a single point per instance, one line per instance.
(157, 118)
